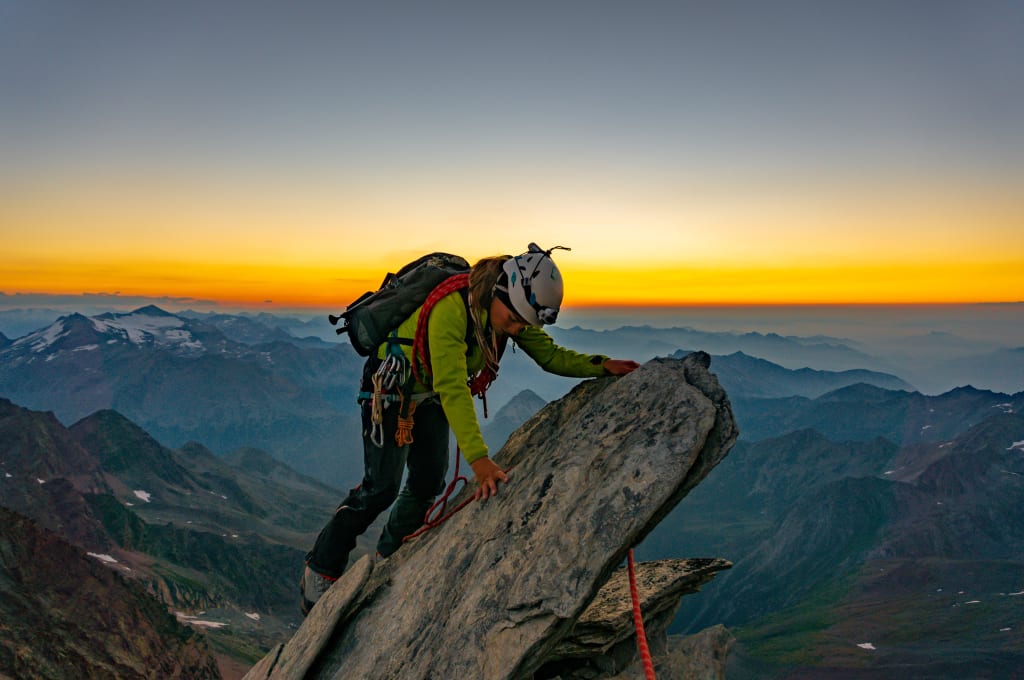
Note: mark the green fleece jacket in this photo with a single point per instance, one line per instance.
(451, 365)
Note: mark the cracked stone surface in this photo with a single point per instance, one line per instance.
(498, 590)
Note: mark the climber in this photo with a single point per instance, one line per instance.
(465, 334)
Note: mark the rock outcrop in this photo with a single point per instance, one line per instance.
(603, 641)
(504, 587)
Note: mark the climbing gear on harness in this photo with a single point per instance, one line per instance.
(388, 380)
(531, 285)
(403, 433)
(394, 370)
(377, 406)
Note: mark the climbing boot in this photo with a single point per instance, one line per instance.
(313, 585)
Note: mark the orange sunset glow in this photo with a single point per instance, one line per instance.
(851, 167)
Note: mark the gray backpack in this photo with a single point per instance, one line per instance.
(374, 315)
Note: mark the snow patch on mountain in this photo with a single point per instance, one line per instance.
(44, 338)
(196, 621)
(148, 326)
(142, 328)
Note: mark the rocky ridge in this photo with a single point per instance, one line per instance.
(64, 615)
(501, 588)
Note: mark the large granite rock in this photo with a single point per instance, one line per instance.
(493, 592)
(701, 656)
(602, 643)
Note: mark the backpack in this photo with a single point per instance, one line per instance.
(371, 318)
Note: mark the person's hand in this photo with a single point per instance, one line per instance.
(620, 366)
(488, 474)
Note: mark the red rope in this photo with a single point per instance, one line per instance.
(420, 347)
(429, 522)
(638, 621)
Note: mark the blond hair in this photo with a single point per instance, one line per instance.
(482, 278)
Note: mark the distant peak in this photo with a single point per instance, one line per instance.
(151, 310)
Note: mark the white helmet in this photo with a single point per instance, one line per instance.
(532, 285)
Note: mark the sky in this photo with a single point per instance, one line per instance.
(271, 155)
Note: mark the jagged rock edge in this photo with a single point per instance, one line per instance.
(723, 432)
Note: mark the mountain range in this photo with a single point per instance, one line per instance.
(874, 529)
(221, 536)
(230, 381)
(889, 548)
(185, 380)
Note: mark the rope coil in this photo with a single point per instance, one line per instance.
(403, 433)
(377, 406)
(429, 520)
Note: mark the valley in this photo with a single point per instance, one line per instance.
(872, 527)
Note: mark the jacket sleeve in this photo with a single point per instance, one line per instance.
(446, 333)
(553, 358)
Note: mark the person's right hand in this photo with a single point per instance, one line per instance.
(620, 366)
(488, 474)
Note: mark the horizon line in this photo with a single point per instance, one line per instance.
(184, 303)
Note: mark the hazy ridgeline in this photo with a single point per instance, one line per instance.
(986, 324)
(933, 347)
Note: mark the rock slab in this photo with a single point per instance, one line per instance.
(491, 592)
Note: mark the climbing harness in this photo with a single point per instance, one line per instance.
(388, 382)
(638, 621)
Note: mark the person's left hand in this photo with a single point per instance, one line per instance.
(620, 366)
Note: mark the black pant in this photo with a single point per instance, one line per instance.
(427, 460)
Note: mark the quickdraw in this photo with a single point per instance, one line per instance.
(387, 381)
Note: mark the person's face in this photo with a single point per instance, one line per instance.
(505, 320)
